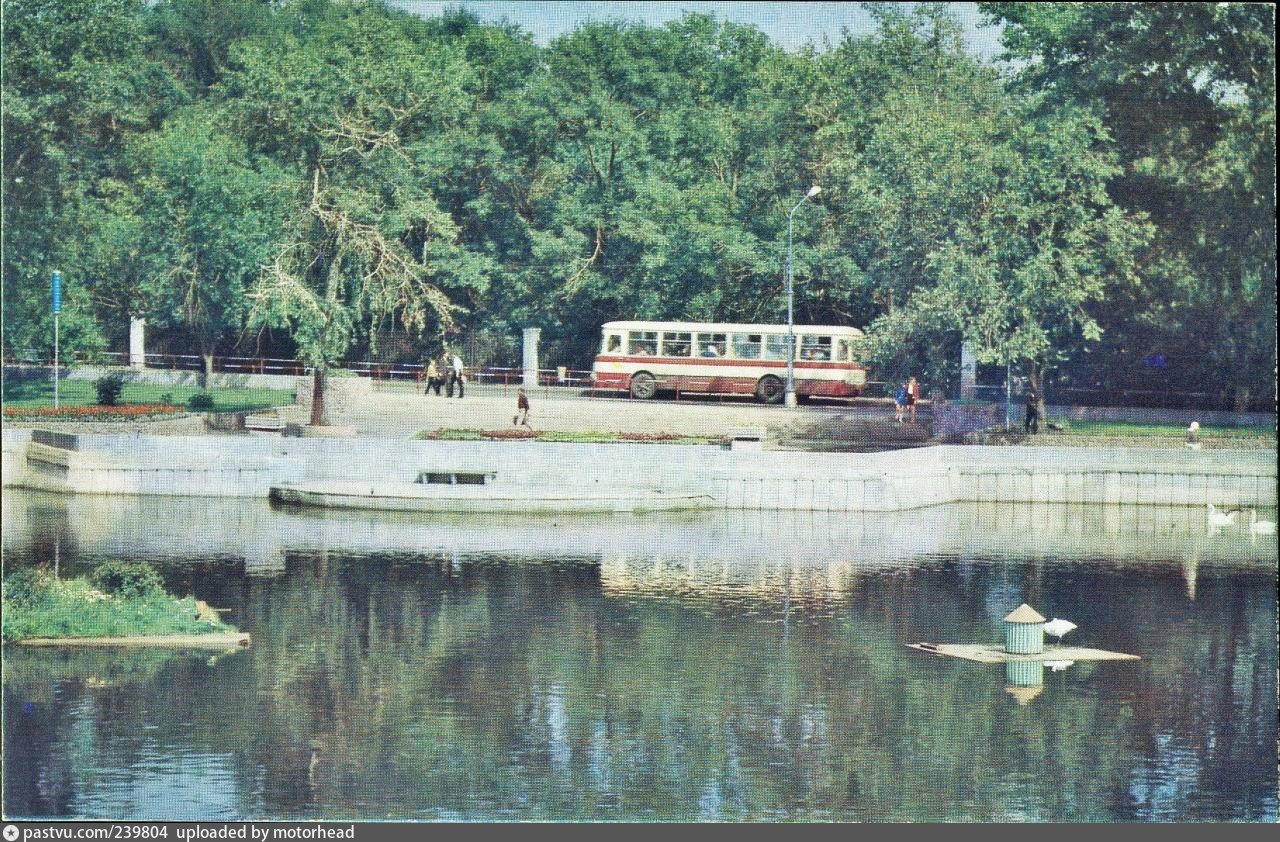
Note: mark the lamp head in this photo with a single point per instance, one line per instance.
(813, 191)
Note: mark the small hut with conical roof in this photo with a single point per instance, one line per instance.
(1024, 631)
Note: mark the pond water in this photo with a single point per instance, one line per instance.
(727, 666)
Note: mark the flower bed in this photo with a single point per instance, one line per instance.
(124, 412)
(526, 434)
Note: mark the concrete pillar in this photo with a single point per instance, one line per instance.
(137, 342)
(531, 336)
(968, 374)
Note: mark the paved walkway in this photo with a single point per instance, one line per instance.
(399, 412)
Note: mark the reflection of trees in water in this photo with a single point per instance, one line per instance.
(458, 685)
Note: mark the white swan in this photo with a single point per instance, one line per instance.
(1260, 527)
(1058, 628)
(1217, 518)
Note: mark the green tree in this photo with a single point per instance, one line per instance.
(208, 221)
(78, 87)
(338, 96)
(1020, 279)
(1187, 93)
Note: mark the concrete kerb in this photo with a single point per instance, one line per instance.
(886, 481)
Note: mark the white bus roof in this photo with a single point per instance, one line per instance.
(728, 327)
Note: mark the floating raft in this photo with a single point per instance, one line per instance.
(173, 641)
(497, 497)
(987, 654)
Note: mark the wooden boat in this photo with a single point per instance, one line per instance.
(489, 496)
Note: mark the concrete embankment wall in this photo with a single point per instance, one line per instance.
(890, 481)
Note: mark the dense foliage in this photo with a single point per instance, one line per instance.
(109, 388)
(325, 179)
(119, 599)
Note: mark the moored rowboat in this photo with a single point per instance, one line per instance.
(493, 497)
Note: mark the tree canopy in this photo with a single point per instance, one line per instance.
(345, 178)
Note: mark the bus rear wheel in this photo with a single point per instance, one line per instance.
(770, 389)
(643, 386)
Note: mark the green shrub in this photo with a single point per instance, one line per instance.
(200, 401)
(27, 587)
(109, 388)
(127, 579)
(167, 398)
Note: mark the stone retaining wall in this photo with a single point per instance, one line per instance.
(888, 481)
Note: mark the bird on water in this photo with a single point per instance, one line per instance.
(1260, 527)
(1217, 518)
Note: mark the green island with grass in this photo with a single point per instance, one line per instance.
(445, 434)
(118, 600)
(21, 395)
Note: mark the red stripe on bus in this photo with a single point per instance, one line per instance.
(728, 385)
(722, 361)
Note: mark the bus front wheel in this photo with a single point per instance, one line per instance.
(770, 389)
(643, 386)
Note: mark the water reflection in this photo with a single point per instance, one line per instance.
(720, 667)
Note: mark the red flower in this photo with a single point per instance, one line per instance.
(124, 412)
(509, 434)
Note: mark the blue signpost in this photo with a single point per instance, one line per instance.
(55, 301)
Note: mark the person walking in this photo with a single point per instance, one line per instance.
(1031, 423)
(913, 395)
(900, 403)
(522, 409)
(433, 378)
(456, 375)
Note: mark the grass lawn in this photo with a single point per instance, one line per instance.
(52, 607)
(1129, 429)
(36, 393)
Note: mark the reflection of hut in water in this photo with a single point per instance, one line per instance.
(1024, 673)
(1024, 695)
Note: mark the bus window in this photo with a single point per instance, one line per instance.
(844, 350)
(711, 345)
(676, 344)
(612, 344)
(816, 348)
(775, 347)
(643, 343)
(746, 346)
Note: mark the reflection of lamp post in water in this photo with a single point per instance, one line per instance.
(55, 302)
(791, 332)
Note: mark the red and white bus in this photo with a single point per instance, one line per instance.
(644, 358)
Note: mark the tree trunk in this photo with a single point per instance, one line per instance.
(208, 368)
(317, 399)
(1035, 380)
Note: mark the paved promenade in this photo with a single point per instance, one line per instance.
(400, 412)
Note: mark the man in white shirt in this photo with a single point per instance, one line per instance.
(455, 374)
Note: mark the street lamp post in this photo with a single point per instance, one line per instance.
(791, 330)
